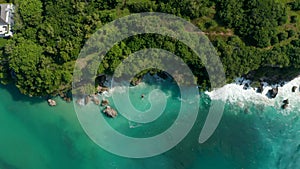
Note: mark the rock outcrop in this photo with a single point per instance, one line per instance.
(51, 102)
(104, 102)
(285, 104)
(110, 112)
(260, 89)
(101, 89)
(294, 88)
(136, 81)
(101, 79)
(272, 93)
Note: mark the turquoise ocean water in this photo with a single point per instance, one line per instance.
(36, 136)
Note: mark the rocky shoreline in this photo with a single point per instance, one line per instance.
(102, 83)
(271, 93)
(67, 97)
(102, 87)
(262, 86)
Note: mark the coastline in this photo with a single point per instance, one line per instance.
(242, 93)
(238, 91)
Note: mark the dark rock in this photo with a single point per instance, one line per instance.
(294, 88)
(272, 93)
(100, 79)
(246, 86)
(284, 106)
(135, 82)
(260, 89)
(163, 75)
(241, 81)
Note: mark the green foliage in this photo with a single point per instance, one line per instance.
(291, 33)
(49, 35)
(295, 5)
(294, 19)
(274, 40)
(188, 8)
(30, 12)
(282, 36)
(142, 7)
(296, 43)
(253, 20)
(295, 57)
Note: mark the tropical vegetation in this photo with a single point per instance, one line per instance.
(48, 35)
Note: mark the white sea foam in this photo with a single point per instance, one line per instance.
(133, 124)
(81, 102)
(236, 93)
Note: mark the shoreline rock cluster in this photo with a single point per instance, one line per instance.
(65, 96)
(259, 87)
(101, 88)
(272, 93)
(108, 110)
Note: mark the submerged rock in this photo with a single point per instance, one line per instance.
(104, 102)
(110, 112)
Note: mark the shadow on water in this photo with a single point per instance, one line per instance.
(18, 96)
(5, 165)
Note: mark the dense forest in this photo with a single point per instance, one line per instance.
(249, 35)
